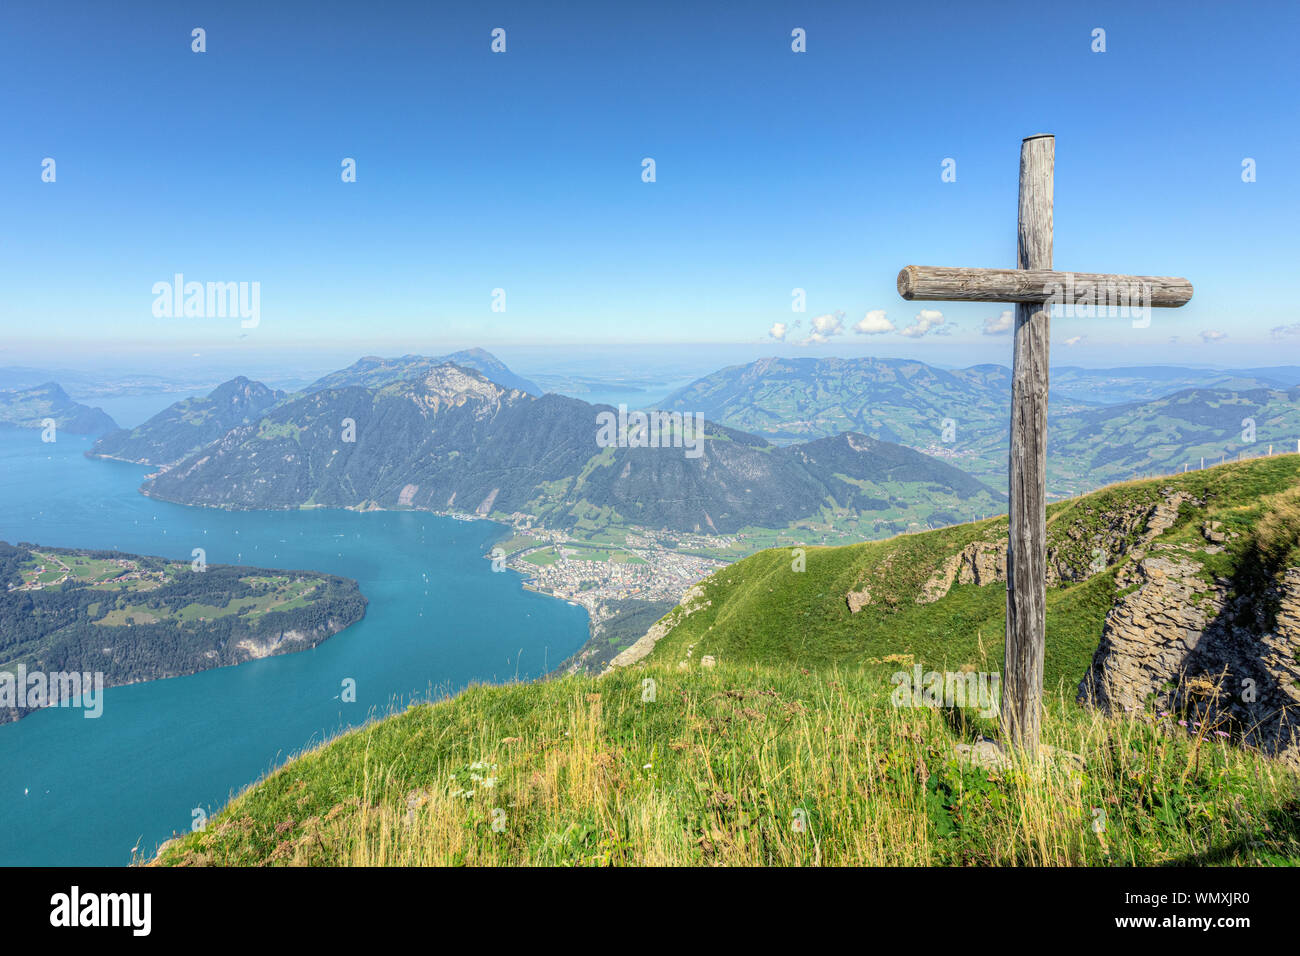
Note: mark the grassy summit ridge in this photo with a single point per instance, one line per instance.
(789, 752)
(761, 609)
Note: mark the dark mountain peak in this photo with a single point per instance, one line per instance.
(183, 426)
(852, 453)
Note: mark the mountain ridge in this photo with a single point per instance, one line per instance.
(31, 407)
(452, 440)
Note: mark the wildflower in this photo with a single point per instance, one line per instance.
(1222, 733)
(1182, 723)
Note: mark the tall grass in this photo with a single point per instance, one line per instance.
(751, 766)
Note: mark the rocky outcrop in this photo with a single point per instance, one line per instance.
(1149, 633)
(1076, 550)
(692, 601)
(1182, 642)
(981, 562)
(857, 600)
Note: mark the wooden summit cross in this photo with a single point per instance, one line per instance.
(1033, 286)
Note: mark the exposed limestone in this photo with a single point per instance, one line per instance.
(1180, 643)
(1149, 633)
(858, 600)
(1165, 514)
(692, 601)
(981, 562)
(985, 562)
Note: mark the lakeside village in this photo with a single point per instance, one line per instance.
(648, 566)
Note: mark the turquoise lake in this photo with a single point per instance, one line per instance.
(87, 791)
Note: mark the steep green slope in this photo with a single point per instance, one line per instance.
(188, 425)
(787, 747)
(762, 609)
(746, 765)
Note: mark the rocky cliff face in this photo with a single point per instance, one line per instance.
(1182, 640)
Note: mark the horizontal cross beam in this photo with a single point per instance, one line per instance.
(941, 284)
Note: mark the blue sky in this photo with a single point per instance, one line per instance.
(522, 171)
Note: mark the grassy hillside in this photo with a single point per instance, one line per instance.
(720, 766)
(789, 751)
(760, 608)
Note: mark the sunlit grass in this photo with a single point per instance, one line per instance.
(751, 766)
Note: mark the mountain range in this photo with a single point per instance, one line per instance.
(189, 424)
(961, 415)
(452, 440)
(867, 446)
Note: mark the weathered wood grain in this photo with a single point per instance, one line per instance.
(945, 284)
(1022, 681)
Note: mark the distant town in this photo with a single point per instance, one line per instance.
(647, 566)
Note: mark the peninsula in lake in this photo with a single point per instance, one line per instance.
(134, 618)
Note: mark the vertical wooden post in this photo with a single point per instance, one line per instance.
(1022, 684)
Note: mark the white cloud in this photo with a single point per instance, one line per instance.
(777, 331)
(1074, 340)
(926, 320)
(874, 323)
(996, 326)
(1212, 335)
(1281, 331)
(824, 327)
